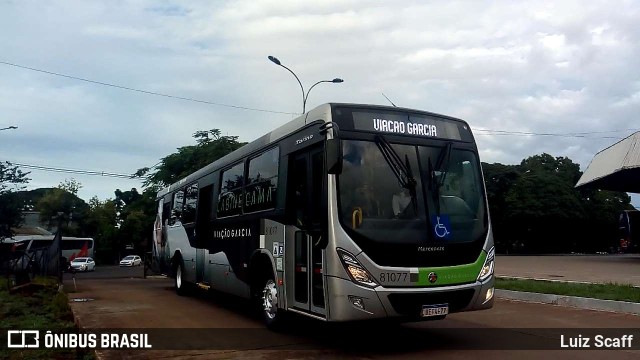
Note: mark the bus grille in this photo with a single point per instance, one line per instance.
(411, 304)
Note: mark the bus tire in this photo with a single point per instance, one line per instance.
(274, 317)
(179, 284)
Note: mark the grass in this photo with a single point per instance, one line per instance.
(596, 291)
(42, 308)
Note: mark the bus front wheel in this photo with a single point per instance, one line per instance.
(179, 283)
(273, 316)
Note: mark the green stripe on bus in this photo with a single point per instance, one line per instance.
(451, 275)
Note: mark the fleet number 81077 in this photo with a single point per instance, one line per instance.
(387, 277)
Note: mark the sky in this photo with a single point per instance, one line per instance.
(529, 66)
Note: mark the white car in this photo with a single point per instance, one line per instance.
(131, 260)
(83, 264)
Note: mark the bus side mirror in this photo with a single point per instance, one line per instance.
(333, 154)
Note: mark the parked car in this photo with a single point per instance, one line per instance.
(131, 260)
(82, 264)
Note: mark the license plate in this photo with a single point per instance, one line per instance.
(435, 310)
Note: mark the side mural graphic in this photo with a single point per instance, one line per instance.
(237, 242)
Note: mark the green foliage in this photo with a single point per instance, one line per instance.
(71, 186)
(10, 213)
(11, 176)
(11, 179)
(101, 223)
(62, 202)
(616, 292)
(211, 146)
(44, 309)
(536, 208)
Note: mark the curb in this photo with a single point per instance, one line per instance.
(78, 323)
(508, 277)
(572, 301)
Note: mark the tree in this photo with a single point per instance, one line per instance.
(211, 146)
(535, 207)
(63, 201)
(125, 220)
(12, 179)
(102, 224)
(499, 179)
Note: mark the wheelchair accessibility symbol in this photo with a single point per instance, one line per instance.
(441, 227)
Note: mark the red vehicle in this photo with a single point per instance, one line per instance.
(629, 231)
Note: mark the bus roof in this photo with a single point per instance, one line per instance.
(19, 238)
(321, 112)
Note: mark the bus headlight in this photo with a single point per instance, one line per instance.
(487, 268)
(357, 272)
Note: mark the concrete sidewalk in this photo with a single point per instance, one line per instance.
(621, 269)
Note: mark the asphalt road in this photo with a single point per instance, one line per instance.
(152, 304)
(108, 272)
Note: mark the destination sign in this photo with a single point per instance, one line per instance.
(401, 124)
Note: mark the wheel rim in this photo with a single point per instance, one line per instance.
(179, 277)
(270, 299)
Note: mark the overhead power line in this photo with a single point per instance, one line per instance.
(573, 135)
(486, 131)
(74, 171)
(146, 91)
(567, 133)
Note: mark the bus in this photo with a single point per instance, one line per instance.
(31, 252)
(72, 247)
(629, 225)
(348, 212)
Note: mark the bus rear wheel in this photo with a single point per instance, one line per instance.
(273, 317)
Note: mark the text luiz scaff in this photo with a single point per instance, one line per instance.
(50, 340)
(598, 341)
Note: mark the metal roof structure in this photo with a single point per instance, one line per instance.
(615, 168)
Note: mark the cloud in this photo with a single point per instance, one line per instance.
(532, 66)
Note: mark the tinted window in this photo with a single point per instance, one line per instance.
(76, 244)
(230, 199)
(317, 167)
(373, 202)
(178, 200)
(39, 244)
(262, 182)
(190, 202)
(298, 190)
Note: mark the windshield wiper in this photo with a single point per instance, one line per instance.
(445, 154)
(436, 183)
(402, 171)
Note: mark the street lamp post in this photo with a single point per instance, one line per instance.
(9, 128)
(305, 96)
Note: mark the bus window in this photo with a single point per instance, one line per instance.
(298, 191)
(166, 213)
(262, 182)
(230, 199)
(178, 200)
(39, 244)
(190, 203)
(317, 168)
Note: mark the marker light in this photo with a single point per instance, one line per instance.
(357, 301)
(487, 268)
(489, 295)
(356, 271)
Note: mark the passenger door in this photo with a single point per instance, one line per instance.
(306, 195)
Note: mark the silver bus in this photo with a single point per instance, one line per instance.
(348, 212)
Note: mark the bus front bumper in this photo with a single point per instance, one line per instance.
(349, 301)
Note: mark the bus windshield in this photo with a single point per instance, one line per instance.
(446, 205)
